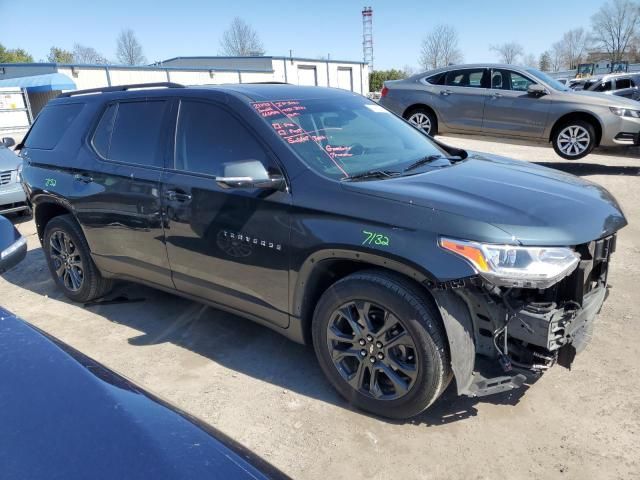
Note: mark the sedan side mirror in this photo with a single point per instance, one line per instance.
(537, 90)
(8, 142)
(13, 246)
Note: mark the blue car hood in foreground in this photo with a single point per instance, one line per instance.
(64, 416)
(535, 205)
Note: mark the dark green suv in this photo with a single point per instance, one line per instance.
(329, 219)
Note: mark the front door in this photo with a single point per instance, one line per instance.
(226, 244)
(460, 101)
(510, 110)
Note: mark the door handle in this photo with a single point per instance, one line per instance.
(175, 196)
(497, 95)
(83, 177)
(445, 92)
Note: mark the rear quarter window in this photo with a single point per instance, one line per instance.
(51, 125)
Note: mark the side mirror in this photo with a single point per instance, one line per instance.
(537, 90)
(8, 142)
(272, 182)
(13, 246)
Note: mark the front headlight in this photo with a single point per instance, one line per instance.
(513, 266)
(625, 112)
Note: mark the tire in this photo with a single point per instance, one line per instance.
(64, 244)
(416, 343)
(423, 119)
(574, 139)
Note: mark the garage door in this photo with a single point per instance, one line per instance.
(307, 75)
(345, 78)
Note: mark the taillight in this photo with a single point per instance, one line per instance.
(384, 92)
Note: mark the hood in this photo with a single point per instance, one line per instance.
(67, 416)
(8, 160)
(535, 205)
(597, 98)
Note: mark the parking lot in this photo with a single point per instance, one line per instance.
(269, 393)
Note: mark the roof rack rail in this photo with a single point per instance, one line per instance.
(122, 88)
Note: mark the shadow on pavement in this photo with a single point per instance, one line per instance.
(583, 169)
(231, 341)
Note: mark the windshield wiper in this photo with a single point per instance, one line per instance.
(372, 174)
(424, 160)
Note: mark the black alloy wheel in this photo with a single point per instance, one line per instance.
(372, 350)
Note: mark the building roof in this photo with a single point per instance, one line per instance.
(299, 59)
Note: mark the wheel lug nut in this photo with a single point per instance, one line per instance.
(379, 344)
(363, 353)
(369, 338)
(362, 342)
(372, 359)
(380, 356)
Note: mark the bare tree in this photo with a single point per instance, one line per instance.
(88, 55)
(557, 57)
(440, 48)
(614, 27)
(575, 44)
(240, 40)
(129, 50)
(508, 52)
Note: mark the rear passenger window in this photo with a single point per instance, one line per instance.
(51, 124)
(465, 78)
(210, 140)
(130, 132)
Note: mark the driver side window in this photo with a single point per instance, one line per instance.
(211, 141)
(509, 80)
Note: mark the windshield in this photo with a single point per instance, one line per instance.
(552, 82)
(347, 136)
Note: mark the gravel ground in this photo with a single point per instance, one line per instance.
(269, 393)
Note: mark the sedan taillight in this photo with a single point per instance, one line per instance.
(384, 92)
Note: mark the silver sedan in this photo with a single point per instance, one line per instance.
(506, 100)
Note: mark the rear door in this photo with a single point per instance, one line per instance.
(460, 100)
(117, 193)
(225, 244)
(510, 109)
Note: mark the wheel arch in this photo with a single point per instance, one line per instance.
(423, 106)
(44, 209)
(325, 267)
(578, 115)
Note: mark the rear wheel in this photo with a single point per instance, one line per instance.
(574, 139)
(381, 343)
(70, 263)
(423, 119)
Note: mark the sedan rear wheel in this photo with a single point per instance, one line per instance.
(423, 119)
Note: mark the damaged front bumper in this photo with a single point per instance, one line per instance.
(522, 332)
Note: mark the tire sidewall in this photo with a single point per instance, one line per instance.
(576, 123)
(429, 359)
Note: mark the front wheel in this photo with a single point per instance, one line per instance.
(574, 139)
(381, 343)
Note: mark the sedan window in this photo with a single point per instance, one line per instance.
(465, 78)
(623, 83)
(602, 87)
(509, 80)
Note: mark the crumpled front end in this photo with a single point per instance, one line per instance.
(523, 331)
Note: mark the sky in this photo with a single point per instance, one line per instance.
(310, 28)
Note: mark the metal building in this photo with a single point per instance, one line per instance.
(353, 76)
